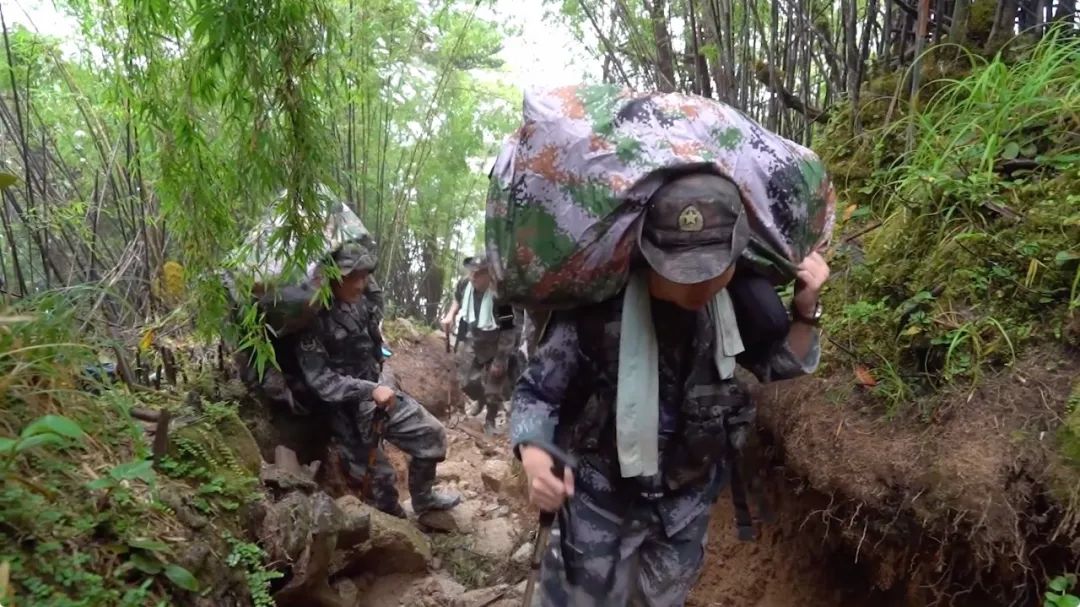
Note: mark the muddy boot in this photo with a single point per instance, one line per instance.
(476, 408)
(492, 415)
(422, 488)
(395, 510)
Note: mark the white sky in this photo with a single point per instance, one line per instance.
(545, 54)
(42, 16)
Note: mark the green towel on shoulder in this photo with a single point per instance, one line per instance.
(637, 401)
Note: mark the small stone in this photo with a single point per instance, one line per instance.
(482, 596)
(494, 538)
(438, 520)
(503, 511)
(355, 525)
(349, 593)
(394, 545)
(495, 474)
(523, 554)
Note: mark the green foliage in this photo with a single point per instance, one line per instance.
(470, 568)
(80, 518)
(1059, 593)
(250, 559)
(971, 237)
(1069, 433)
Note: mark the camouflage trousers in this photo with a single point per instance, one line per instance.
(479, 383)
(620, 561)
(410, 427)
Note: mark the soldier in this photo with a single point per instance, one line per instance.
(487, 341)
(339, 358)
(632, 521)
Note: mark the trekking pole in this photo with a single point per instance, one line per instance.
(562, 461)
(378, 424)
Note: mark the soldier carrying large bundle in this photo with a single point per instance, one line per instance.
(648, 231)
(331, 359)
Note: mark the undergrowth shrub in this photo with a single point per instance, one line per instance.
(968, 244)
(81, 517)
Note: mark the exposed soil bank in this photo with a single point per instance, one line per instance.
(975, 508)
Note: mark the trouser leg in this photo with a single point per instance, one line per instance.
(622, 561)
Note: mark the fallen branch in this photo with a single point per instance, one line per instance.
(774, 82)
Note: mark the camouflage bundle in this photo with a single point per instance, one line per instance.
(569, 187)
(288, 302)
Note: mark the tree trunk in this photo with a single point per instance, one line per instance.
(700, 64)
(665, 55)
(916, 68)
(1004, 23)
(958, 30)
(851, 50)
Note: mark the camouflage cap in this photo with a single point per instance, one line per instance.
(476, 262)
(353, 256)
(695, 228)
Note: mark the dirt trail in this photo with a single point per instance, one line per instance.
(868, 512)
(791, 559)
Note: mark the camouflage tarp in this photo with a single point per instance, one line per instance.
(569, 186)
(287, 303)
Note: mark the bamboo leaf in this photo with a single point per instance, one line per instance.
(181, 577)
(146, 341)
(54, 424)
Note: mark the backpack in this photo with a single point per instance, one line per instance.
(568, 189)
(258, 263)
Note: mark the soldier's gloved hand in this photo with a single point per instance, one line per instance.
(384, 397)
(497, 370)
(546, 491)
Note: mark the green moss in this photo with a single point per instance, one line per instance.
(981, 21)
(1069, 434)
(956, 265)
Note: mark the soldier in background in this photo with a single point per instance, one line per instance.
(339, 358)
(487, 341)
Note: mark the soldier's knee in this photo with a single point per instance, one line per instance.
(437, 439)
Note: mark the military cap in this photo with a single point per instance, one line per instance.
(353, 256)
(695, 227)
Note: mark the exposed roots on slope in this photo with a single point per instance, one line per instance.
(977, 508)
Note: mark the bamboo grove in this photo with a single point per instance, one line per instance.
(146, 148)
(788, 63)
(143, 148)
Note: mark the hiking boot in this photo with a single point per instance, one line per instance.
(395, 510)
(490, 429)
(476, 408)
(435, 500)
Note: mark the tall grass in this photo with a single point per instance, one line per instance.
(974, 232)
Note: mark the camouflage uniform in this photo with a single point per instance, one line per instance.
(641, 538)
(480, 351)
(339, 358)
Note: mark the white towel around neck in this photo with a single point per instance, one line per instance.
(484, 318)
(637, 401)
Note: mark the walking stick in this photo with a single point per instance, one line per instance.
(562, 461)
(378, 426)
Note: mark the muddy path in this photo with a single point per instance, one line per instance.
(957, 510)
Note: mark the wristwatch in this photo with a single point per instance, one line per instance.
(813, 320)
